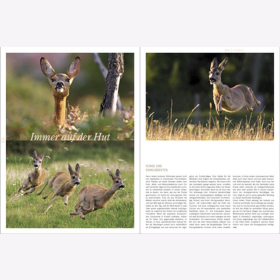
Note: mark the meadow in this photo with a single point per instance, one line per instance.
(236, 126)
(94, 158)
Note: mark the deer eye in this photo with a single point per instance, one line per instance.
(117, 181)
(67, 80)
(53, 79)
(40, 161)
(217, 73)
(73, 177)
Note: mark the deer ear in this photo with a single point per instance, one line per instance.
(118, 173)
(41, 156)
(223, 64)
(34, 154)
(70, 169)
(46, 68)
(214, 63)
(74, 68)
(111, 174)
(77, 168)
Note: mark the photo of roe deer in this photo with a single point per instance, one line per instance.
(80, 178)
(209, 96)
(101, 99)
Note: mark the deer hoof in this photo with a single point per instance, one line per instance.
(44, 197)
(65, 203)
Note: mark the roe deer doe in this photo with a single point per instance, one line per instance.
(229, 99)
(92, 198)
(63, 184)
(35, 178)
(60, 84)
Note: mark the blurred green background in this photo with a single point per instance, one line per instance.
(183, 77)
(30, 102)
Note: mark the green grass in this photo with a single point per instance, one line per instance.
(27, 212)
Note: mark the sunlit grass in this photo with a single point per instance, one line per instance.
(216, 128)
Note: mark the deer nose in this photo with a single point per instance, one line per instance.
(35, 165)
(60, 84)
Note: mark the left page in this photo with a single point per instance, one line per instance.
(68, 122)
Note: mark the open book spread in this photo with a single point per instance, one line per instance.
(149, 140)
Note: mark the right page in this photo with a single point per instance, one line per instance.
(210, 140)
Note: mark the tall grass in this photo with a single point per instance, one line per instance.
(216, 128)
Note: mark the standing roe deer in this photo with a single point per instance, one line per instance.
(63, 184)
(60, 84)
(92, 198)
(35, 178)
(229, 99)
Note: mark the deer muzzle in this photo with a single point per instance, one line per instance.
(212, 81)
(59, 87)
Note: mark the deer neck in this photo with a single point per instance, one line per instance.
(60, 109)
(109, 194)
(218, 88)
(37, 172)
(69, 186)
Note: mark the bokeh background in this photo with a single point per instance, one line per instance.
(183, 77)
(30, 102)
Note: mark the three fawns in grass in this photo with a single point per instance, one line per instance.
(63, 184)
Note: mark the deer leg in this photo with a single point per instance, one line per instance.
(91, 206)
(51, 203)
(77, 209)
(256, 101)
(78, 205)
(30, 190)
(220, 105)
(249, 109)
(24, 184)
(216, 102)
(39, 192)
(78, 212)
(46, 196)
(66, 199)
(86, 211)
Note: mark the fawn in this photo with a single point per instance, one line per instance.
(92, 198)
(36, 178)
(60, 84)
(63, 184)
(229, 99)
